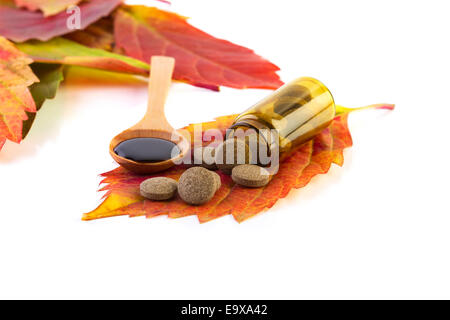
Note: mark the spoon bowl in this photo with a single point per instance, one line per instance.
(154, 124)
(149, 167)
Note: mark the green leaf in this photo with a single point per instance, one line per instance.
(64, 51)
(50, 76)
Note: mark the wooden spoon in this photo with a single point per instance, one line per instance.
(154, 124)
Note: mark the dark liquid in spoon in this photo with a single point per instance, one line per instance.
(147, 149)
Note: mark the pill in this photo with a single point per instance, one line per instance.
(205, 157)
(258, 144)
(259, 149)
(230, 153)
(250, 175)
(197, 185)
(159, 188)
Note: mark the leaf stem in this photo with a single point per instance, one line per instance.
(340, 110)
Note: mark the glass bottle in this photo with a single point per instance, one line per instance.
(297, 111)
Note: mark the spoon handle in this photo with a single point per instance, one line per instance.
(160, 80)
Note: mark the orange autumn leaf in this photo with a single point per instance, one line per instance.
(315, 157)
(15, 98)
(203, 60)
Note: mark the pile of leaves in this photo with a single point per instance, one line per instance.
(38, 38)
(315, 157)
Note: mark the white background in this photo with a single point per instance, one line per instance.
(376, 228)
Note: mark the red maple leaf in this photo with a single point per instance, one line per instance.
(202, 60)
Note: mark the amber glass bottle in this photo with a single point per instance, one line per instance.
(298, 111)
